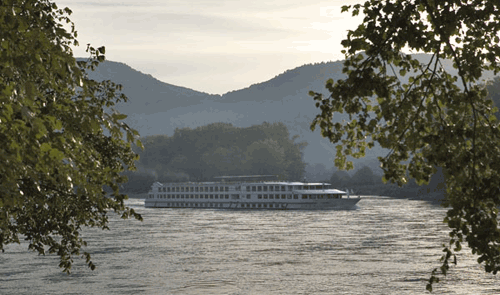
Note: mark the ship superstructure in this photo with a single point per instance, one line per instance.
(248, 192)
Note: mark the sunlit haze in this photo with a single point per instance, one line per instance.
(212, 46)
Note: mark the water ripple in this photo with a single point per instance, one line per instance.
(384, 246)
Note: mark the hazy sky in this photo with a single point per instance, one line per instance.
(213, 46)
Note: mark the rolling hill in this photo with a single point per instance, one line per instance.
(156, 107)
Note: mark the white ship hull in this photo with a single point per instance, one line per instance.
(249, 196)
(347, 203)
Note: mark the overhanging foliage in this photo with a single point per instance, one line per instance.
(436, 119)
(58, 145)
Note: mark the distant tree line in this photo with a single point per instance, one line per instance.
(218, 149)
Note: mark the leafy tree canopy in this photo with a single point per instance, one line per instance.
(59, 146)
(222, 149)
(426, 116)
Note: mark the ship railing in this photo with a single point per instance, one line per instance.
(220, 182)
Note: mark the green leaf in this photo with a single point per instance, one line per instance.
(56, 154)
(119, 116)
(45, 147)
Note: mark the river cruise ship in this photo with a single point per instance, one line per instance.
(247, 193)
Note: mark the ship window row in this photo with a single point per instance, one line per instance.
(313, 187)
(236, 196)
(270, 188)
(207, 205)
(261, 205)
(193, 189)
(195, 196)
(283, 188)
(276, 196)
(255, 188)
(322, 196)
(221, 205)
(226, 196)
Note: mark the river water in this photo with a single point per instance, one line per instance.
(384, 246)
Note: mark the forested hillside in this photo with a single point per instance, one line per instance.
(218, 149)
(156, 107)
(174, 112)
